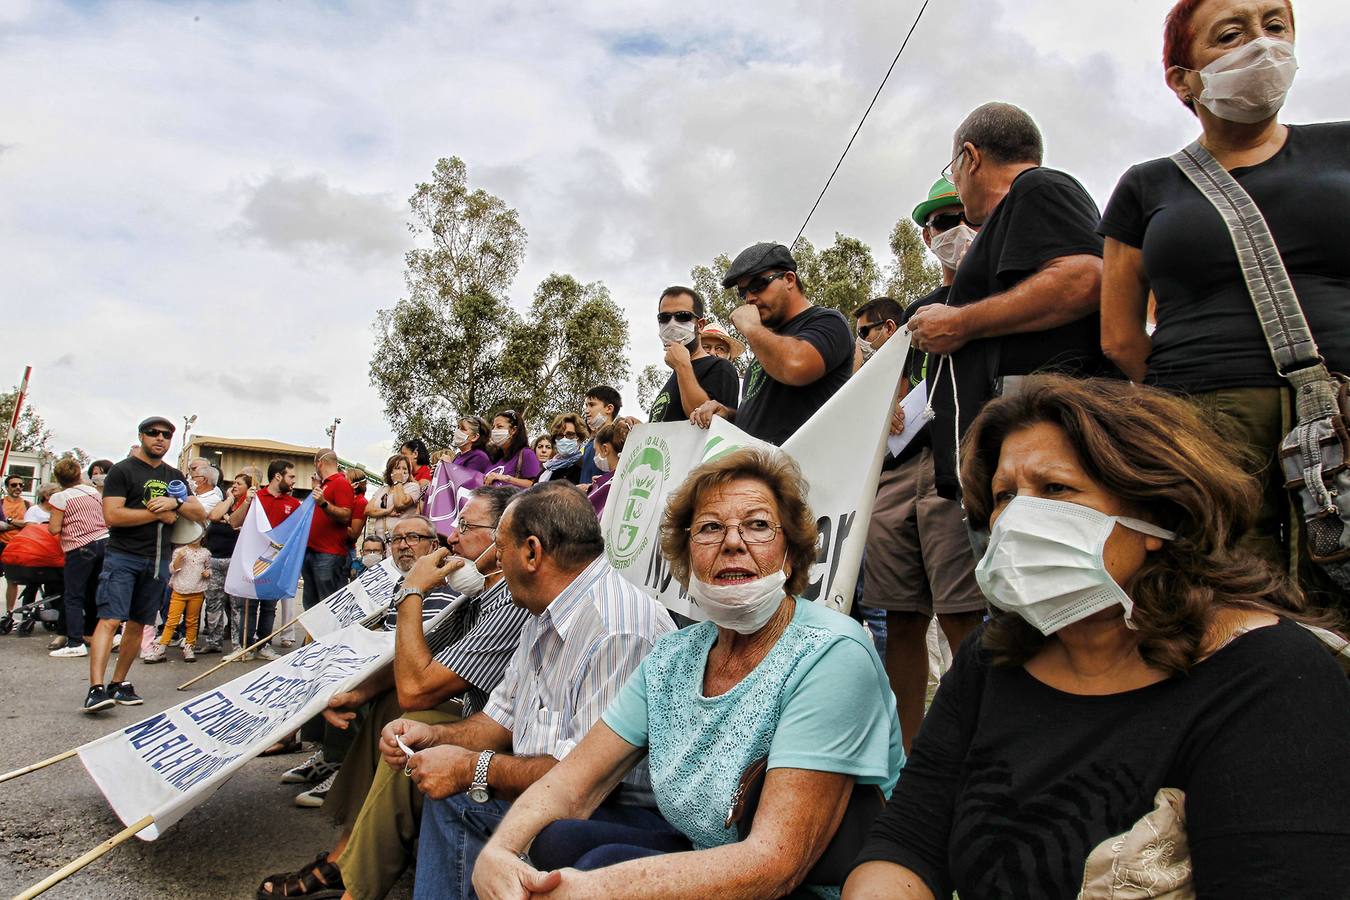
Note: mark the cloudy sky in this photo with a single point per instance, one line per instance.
(202, 205)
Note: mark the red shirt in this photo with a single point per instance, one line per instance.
(423, 473)
(277, 508)
(325, 535)
(358, 515)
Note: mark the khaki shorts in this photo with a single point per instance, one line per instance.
(918, 554)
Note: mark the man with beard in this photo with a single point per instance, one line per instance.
(696, 376)
(278, 502)
(803, 353)
(435, 679)
(139, 512)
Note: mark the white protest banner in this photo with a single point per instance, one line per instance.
(839, 450)
(167, 764)
(356, 602)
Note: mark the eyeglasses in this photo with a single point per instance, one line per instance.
(865, 330)
(947, 171)
(752, 531)
(945, 221)
(683, 315)
(15, 484)
(464, 527)
(412, 540)
(758, 284)
(157, 432)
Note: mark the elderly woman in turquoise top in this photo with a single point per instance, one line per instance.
(770, 676)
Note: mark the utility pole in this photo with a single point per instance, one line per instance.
(188, 422)
(331, 431)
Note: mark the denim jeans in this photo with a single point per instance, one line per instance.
(455, 829)
(614, 834)
(324, 574)
(131, 588)
(83, 565)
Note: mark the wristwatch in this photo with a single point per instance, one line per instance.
(478, 788)
(404, 594)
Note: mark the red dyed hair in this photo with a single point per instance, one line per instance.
(1178, 32)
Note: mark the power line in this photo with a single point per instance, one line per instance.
(903, 45)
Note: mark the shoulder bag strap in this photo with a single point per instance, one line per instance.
(1286, 330)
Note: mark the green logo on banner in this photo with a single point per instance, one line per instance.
(641, 481)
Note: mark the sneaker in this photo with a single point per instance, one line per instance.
(268, 653)
(207, 648)
(314, 797)
(58, 642)
(310, 771)
(188, 655)
(97, 699)
(154, 655)
(124, 693)
(70, 652)
(117, 641)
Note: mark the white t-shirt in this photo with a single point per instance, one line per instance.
(210, 498)
(37, 514)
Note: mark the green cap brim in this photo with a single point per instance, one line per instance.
(925, 209)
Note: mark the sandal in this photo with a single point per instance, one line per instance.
(320, 880)
(281, 748)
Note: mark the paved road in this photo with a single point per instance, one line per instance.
(223, 848)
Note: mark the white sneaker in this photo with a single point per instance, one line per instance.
(117, 641)
(314, 797)
(310, 771)
(268, 653)
(154, 655)
(70, 652)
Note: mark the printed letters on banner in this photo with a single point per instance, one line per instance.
(354, 603)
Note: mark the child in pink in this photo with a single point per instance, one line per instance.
(189, 574)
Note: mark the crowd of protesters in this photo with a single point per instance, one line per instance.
(1143, 700)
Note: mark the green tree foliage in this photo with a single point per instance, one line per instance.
(80, 456)
(574, 337)
(843, 276)
(32, 434)
(438, 351)
(648, 383)
(912, 273)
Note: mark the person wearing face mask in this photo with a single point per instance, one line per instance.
(609, 442)
(696, 376)
(567, 433)
(1231, 64)
(393, 501)
(441, 676)
(513, 462)
(762, 727)
(470, 443)
(1147, 706)
(368, 555)
(602, 405)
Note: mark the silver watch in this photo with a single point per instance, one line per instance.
(403, 595)
(478, 788)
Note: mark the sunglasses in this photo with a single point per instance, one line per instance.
(158, 432)
(683, 316)
(946, 221)
(864, 331)
(758, 284)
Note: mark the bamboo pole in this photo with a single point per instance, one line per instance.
(240, 652)
(38, 765)
(76, 865)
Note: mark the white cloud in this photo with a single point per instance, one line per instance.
(204, 205)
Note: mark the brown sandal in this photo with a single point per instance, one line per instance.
(282, 748)
(320, 880)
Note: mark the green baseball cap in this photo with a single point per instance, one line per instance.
(942, 193)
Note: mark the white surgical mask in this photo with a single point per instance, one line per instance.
(566, 446)
(460, 439)
(595, 422)
(467, 580)
(500, 436)
(744, 606)
(1249, 84)
(370, 560)
(951, 245)
(1044, 562)
(677, 332)
(602, 463)
(866, 349)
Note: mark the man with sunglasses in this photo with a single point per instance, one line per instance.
(15, 508)
(803, 353)
(696, 376)
(139, 512)
(1026, 296)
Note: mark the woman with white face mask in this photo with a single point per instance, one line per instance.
(761, 727)
(470, 442)
(513, 462)
(1232, 64)
(393, 501)
(1139, 663)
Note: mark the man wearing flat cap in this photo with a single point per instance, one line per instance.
(140, 512)
(803, 353)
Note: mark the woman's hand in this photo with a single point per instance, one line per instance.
(501, 875)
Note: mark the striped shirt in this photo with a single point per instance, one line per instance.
(572, 660)
(477, 641)
(81, 516)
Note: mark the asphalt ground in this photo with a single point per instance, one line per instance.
(222, 848)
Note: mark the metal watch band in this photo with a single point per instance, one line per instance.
(480, 769)
(403, 595)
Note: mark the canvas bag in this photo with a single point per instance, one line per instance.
(1315, 455)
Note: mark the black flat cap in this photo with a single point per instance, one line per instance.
(759, 258)
(155, 420)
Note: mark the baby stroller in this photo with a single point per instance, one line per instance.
(39, 602)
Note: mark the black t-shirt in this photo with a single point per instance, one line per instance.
(1046, 214)
(139, 484)
(772, 411)
(714, 374)
(220, 539)
(1012, 783)
(1208, 336)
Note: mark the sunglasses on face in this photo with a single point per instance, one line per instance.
(157, 432)
(865, 331)
(946, 221)
(683, 316)
(758, 284)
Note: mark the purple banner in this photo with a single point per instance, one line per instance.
(599, 493)
(450, 488)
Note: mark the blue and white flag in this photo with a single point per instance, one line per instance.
(266, 562)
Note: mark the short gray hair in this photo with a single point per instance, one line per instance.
(44, 493)
(431, 526)
(1005, 133)
(211, 474)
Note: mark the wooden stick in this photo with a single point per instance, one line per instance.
(238, 653)
(38, 765)
(71, 868)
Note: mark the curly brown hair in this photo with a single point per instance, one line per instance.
(776, 471)
(1159, 454)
